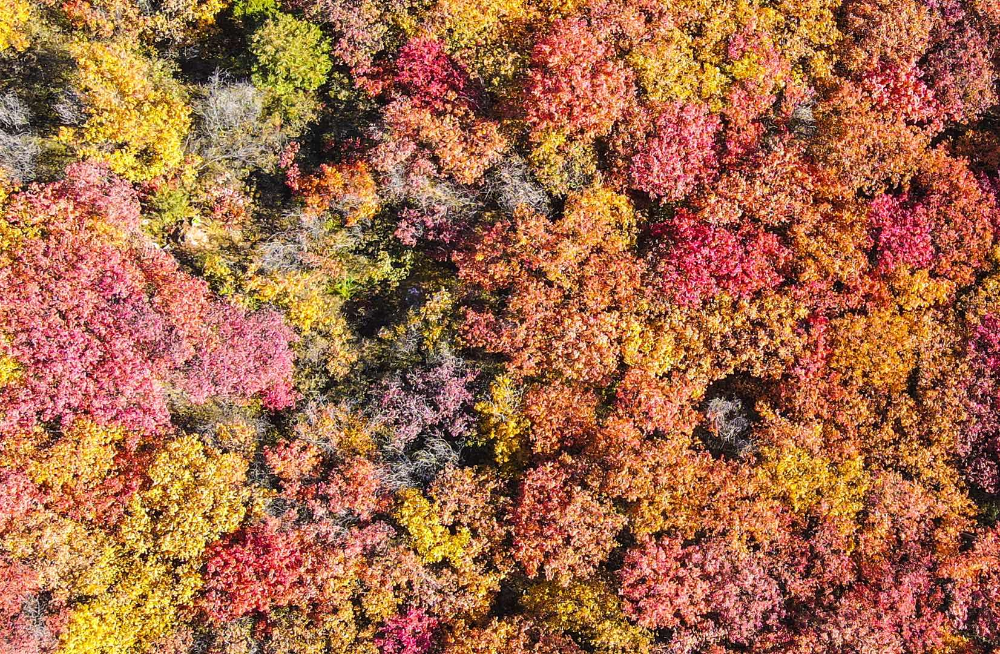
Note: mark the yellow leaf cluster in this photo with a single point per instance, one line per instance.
(433, 321)
(137, 115)
(611, 211)
(80, 459)
(181, 18)
(302, 295)
(307, 300)
(338, 429)
(489, 37)
(687, 60)
(142, 607)
(880, 349)
(10, 371)
(667, 70)
(15, 17)
(434, 318)
(562, 164)
(812, 483)
(70, 558)
(501, 422)
(195, 494)
(432, 540)
(592, 609)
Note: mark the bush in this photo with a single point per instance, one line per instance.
(291, 55)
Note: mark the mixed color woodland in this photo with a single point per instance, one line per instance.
(499, 326)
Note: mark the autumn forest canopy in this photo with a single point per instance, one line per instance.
(499, 326)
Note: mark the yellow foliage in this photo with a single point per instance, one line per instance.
(432, 540)
(10, 371)
(15, 19)
(688, 60)
(984, 299)
(80, 459)
(562, 8)
(217, 270)
(293, 632)
(137, 115)
(489, 37)
(238, 435)
(589, 608)
(312, 308)
(667, 70)
(69, 558)
(434, 321)
(813, 483)
(879, 349)
(918, 290)
(675, 496)
(561, 164)
(338, 429)
(434, 318)
(186, 17)
(11, 238)
(711, 340)
(502, 423)
(141, 608)
(657, 345)
(302, 294)
(195, 494)
(599, 204)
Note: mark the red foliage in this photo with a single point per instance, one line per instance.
(902, 234)
(702, 260)
(678, 155)
(560, 529)
(976, 591)
(980, 440)
(410, 633)
(901, 89)
(244, 355)
(705, 592)
(426, 73)
(562, 417)
(256, 568)
(576, 84)
(945, 223)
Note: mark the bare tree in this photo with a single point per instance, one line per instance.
(69, 107)
(232, 129)
(512, 185)
(18, 146)
(729, 426)
(418, 468)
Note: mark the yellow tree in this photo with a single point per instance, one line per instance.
(137, 114)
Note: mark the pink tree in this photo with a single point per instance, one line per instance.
(409, 633)
(678, 155)
(98, 322)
